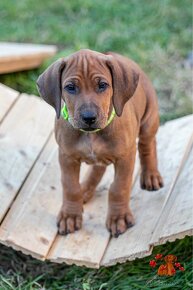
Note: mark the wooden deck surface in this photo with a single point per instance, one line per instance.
(31, 195)
(23, 56)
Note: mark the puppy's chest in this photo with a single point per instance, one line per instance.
(94, 150)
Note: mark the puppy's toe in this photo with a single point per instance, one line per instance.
(68, 223)
(118, 225)
(151, 180)
(130, 220)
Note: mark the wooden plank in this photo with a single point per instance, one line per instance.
(8, 97)
(30, 225)
(175, 220)
(22, 137)
(22, 56)
(147, 206)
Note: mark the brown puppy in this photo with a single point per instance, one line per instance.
(92, 84)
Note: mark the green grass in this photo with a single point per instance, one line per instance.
(130, 27)
(157, 35)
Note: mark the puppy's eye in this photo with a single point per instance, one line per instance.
(71, 88)
(102, 86)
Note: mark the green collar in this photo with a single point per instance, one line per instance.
(65, 115)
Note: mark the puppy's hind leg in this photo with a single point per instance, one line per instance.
(89, 185)
(150, 176)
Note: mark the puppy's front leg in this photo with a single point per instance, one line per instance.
(70, 216)
(119, 216)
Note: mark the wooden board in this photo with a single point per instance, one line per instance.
(176, 218)
(23, 56)
(31, 194)
(30, 225)
(147, 206)
(22, 136)
(8, 97)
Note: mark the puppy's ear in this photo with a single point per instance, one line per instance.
(125, 81)
(49, 84)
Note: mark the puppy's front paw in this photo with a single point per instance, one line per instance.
(118, 224)
(151, 180)
(68, 223)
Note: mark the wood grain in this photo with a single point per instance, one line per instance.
(30, 225)
(8, 97)
(176, 217)
(22, 56)
(22, 136)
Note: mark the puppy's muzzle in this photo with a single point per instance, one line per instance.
(89, 117)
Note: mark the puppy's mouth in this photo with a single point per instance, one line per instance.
(79, 125)
(89, 129)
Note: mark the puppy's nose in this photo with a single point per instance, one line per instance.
(88, 117)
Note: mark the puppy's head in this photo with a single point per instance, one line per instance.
(90, 83)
